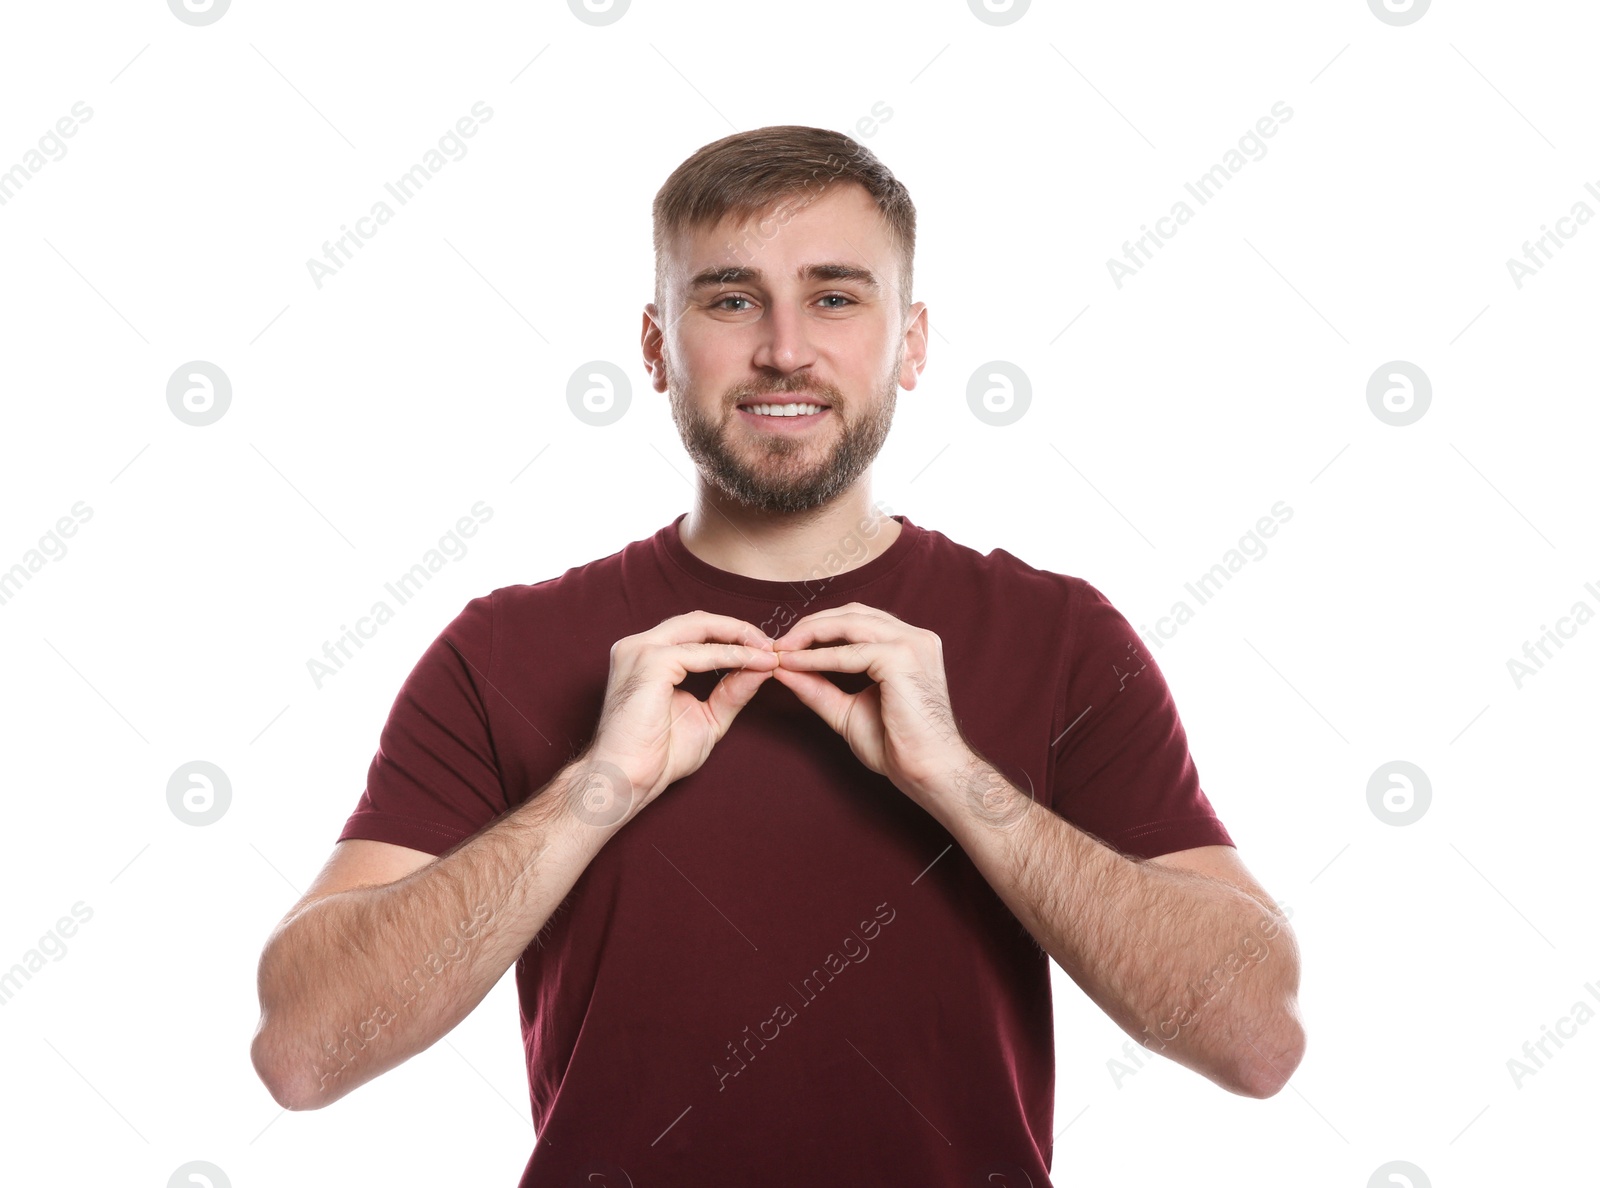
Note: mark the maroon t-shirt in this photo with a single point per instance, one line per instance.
(783, 971)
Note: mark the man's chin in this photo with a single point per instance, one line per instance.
(771, 493)
(777, 499)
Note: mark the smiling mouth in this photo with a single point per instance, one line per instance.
(788, 409)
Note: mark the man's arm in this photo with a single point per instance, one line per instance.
(361, 980)
(1186, 953)
(1190, 962)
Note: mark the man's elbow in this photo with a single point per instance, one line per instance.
(1264, 1069)
(289, 1092)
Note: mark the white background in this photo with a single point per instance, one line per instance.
(1167, 416)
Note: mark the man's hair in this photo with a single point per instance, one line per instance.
(787, 166)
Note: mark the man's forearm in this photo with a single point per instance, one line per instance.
(1190, 966)
(360, 981)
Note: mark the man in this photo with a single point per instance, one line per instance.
(780, 810)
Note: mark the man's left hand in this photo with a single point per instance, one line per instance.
(901, 727)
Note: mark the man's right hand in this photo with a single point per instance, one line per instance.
(650, 732)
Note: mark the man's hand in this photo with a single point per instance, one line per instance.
(652, 733)
(901, 727)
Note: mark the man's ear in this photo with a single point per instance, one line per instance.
(915, 346)
(653, 345)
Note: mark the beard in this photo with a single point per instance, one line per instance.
(775, 473)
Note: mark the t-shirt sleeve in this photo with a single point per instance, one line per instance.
(1121, 764)
(435, 779)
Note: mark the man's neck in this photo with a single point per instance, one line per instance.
(787, 546)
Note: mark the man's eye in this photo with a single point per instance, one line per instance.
(722, 302)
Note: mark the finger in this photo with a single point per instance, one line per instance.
(820, 695)
(731, 694)
(838, 624)
(703, 626)
(683, 659)
(854, 658)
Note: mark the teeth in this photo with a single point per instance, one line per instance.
(783, 410)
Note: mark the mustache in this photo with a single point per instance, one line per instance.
(788, 395)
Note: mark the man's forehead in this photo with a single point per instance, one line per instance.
(839, 202)
(839, 226)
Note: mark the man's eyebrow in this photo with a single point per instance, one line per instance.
(734, 274)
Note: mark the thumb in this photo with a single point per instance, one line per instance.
(820, 695)
(732, 693)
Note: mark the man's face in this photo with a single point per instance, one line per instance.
(802, 308)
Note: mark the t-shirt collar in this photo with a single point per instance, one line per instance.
(829, 577)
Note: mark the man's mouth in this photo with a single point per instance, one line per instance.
(804, 408)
